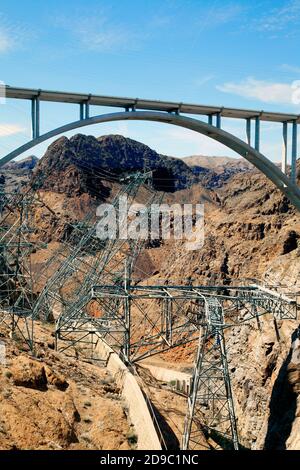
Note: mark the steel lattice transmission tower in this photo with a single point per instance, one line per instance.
(91, 261)
(77, 259)
(17, 243)
(210, 403)
(157, 318)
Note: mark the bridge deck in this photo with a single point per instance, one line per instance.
(153, 105)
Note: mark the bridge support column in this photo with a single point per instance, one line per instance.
(81, 111)
(35, 117)
(257, 134)
(84, 110)
(218, 119)
(87, 110)
(284, 147)
(248, 130)
(294, 153)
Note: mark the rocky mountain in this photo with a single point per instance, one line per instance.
(213, 172)
(89, 159)
(218, 164)
(77, 164)
(27, 163)
(250, 226)
(16, 174)
(246, 218)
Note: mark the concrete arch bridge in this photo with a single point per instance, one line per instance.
(177, 114)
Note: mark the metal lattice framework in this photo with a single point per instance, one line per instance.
(66, 295)
(17, 243)
(145, 320)
(210, 403)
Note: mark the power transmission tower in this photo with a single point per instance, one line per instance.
(210, 404)
(76, 323)
(17, 243)
(77, 259)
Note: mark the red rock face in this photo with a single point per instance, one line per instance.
(86, 160)
(57, 402)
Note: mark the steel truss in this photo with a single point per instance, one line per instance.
(145, 320)
(210, 410)
(76, 259)
(66, 295)
(17, 243)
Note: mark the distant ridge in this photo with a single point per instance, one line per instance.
(218, 163)
(27, 163)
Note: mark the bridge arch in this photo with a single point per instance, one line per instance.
(262, 163)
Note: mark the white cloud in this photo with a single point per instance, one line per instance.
(201, 81)
(290, 68)
(98, 32)
(6, 42)
(103, 41)
(265, 91)
(217, 15)
(13, 35)
(282, 19)
(10, 129)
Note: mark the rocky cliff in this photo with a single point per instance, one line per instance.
(52, 401)
(77, 164)
(214, 172)
(16, 174)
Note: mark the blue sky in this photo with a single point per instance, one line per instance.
(229, 53)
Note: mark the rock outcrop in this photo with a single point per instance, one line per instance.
(79, 164)
(56, 402)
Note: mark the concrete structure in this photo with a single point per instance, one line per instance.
(286, 186)
(176, 379)
(138, 410)
(172, 113)
(86, 99)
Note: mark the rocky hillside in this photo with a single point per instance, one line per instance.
(51, 401)
(16, 174)
(249, 225)
(218, 164)
(27, 163)
(77, 164)
(214, 172)
(250, 228)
